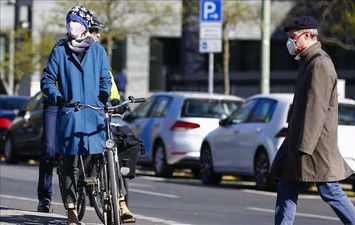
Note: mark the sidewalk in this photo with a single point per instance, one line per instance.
(13, 216)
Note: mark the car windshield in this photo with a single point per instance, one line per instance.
(346, 114)
(208, 108)
(12, 103)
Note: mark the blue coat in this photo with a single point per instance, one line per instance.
(79, 132)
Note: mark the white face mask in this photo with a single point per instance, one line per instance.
(293, 49)
(75, 29)
(291, 46)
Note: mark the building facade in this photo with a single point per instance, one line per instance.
(167, 57)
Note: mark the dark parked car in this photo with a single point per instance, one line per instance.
(9, 107)
(23, 139)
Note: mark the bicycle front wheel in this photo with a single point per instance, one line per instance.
(113, 186)
(97, 196)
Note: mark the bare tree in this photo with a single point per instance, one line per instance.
(30, 55)
(234, 13)
(123, 18)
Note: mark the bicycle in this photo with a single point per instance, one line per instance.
(101, 186)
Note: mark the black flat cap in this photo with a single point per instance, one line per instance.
(304, 22)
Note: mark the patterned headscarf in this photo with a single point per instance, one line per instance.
(81, 14)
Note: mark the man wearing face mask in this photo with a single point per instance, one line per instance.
(77, 71)
(310, 152)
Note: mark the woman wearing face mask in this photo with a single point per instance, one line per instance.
(77, 71)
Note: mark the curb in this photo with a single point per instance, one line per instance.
(14, 216)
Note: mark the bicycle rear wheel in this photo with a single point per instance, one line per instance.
(125, 183)
(81, 204)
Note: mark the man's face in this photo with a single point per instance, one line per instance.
(299, 37)
(96, 35)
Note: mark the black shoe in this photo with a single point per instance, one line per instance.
(45, 206)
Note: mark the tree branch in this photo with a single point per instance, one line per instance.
(337, 42)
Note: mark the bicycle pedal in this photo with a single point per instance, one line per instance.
(90, 181)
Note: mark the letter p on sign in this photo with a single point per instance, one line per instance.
(210, 10)
(209, 7)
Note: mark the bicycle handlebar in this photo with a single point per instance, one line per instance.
(77, 105)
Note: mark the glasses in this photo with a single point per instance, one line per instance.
(295, 37)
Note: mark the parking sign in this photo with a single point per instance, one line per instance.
(210, 26)
(210, 11)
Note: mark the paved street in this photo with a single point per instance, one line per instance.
(177, 201)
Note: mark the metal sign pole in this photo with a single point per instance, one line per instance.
(265, 49)
(210, 73)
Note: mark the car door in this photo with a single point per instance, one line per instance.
(251, 134)
(228, 139)
(158, 114)
(28, 132)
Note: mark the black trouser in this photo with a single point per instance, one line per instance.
(69, 180)
(70, 176)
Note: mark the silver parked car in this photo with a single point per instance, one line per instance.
(172, 126)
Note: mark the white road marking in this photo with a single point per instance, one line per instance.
(147, 218)
(140, 185)
(157, 220)
(153, 178)
(314, 216)
(154, 193)
(274, 194)
(26, 199)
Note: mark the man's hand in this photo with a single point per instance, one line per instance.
(115, 102)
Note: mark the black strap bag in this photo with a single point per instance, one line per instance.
(128, 147)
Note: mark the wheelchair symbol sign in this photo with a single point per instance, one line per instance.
(210, 10)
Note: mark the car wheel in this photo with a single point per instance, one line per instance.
(161, 167)
(263, 179)
(207, 174)
(10, 156)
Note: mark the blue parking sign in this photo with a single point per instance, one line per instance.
(210, 10)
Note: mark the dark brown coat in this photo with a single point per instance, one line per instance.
(310, 152)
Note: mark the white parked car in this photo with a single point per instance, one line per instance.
(346, 131)
(172, 126)
(246, 142)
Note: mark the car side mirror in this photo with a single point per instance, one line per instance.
(223, 116)
(224, 122)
